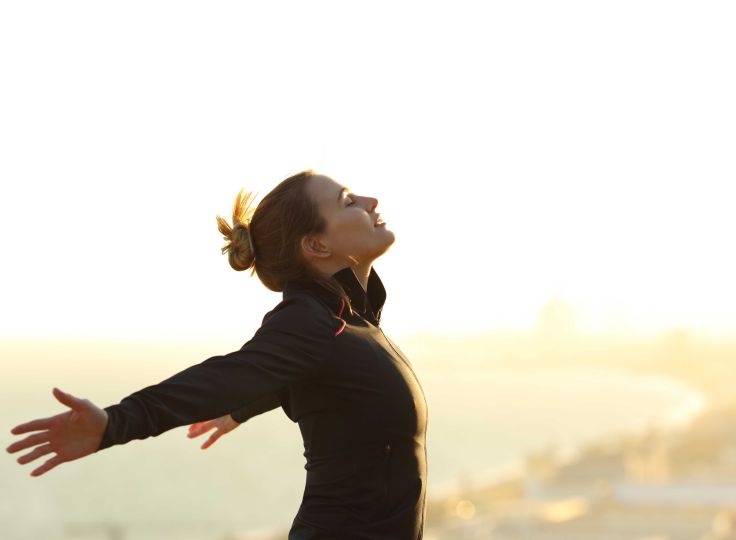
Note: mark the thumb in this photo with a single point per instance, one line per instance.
(68, 399)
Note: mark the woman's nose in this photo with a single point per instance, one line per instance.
(372, 203)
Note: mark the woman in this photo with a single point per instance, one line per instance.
(319, 353)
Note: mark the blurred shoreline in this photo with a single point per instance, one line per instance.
(681, 470)
(523, 490)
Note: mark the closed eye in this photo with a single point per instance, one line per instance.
(352, 202)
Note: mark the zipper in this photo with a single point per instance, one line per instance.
(401, 356)
(387, 471)
(426, 422)
(426, 462)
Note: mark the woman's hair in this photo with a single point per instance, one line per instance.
(286, 214)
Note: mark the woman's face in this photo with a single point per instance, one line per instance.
(351, 236)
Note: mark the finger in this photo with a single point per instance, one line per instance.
(199, 431)
(50, 464)
(29, 441)
(33, 425)
(209, 424)
(69, 400)
(35, 454)
(211, 440)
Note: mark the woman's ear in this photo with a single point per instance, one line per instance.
(313, 247)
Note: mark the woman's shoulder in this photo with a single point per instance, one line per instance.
(302, 311)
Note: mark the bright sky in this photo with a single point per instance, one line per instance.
(522, 152)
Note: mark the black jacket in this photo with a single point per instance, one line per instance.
(359, 405)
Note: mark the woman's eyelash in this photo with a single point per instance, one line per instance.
(352, 202)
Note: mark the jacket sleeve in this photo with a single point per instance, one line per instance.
(260, 406)
(294, 342)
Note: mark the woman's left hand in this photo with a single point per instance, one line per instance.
(224, 424)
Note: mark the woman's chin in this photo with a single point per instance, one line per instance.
(389, 235)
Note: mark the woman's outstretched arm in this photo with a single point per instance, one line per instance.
(267, 403)
(294, 342)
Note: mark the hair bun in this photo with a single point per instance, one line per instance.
(235, 231)
(240, 246)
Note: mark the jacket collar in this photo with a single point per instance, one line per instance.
(367, 304)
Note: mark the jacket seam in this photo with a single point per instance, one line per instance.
(333, 338)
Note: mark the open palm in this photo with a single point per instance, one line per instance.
(70, 435)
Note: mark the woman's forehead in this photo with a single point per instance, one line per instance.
(325, 189)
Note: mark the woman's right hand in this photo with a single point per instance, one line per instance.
(224, 424)
(72, 434)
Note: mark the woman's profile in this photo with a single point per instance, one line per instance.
(320, 354)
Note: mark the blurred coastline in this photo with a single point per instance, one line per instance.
(675, 480)
(662, 459)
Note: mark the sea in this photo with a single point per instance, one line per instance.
(482, 422)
